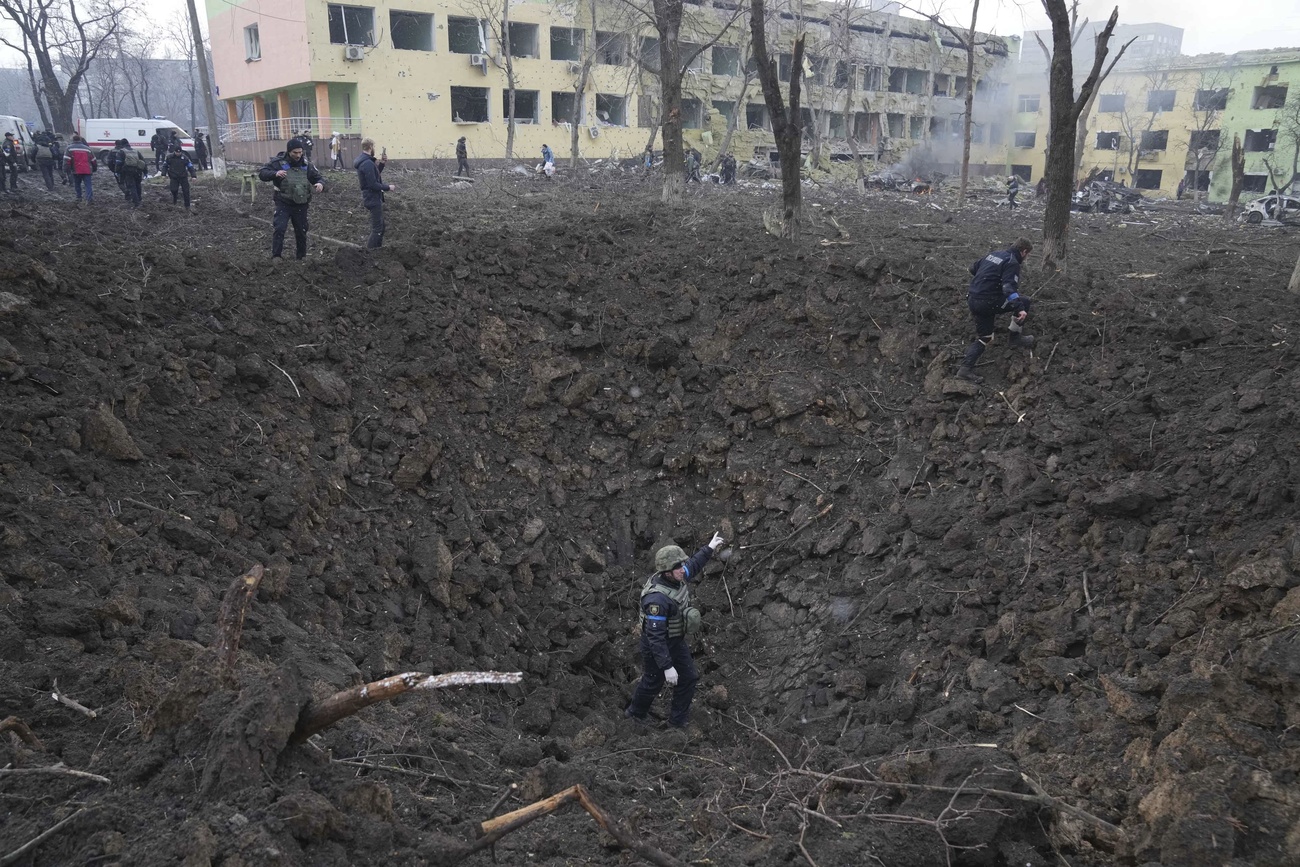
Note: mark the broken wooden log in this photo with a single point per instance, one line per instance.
(495, 828)
(322, 714)
(230, 620)
(21, 731)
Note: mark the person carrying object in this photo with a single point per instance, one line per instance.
(994, 290)
(179, 171)
(667, 619)
(295, 180)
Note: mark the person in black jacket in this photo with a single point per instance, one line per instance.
(179, 171)
(9, 161)
(994, 289)
(159, 146)
(295, 180)
(370, 174)
(462, 157)
(201, 151)
(667, 617)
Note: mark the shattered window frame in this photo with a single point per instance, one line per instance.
(873, 78)
(469, 104)
(1258, 141)
(1024, 139)
(410, 31)
(1204, 139)
(1212, 99)
(649, 53)
(351, 25)
(700, 61)
(614, 105)
(1107, 141)
(1161, 100)
(1111, 103)
(523, 98)
(692, 113)
(895, 124)
(565, 108)
(724, 109)
(461, 32)
(1154, 140)
(523, 39)
(1194, 179)
(1147, 179)
(1269, 97)
(1025, 173)
(1251, 183)
(568, 43)
(725, 60)
(611, 48)
(1029, 103)
(916, 127)
(756, 117)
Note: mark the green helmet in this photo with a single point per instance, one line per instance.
(668, 558)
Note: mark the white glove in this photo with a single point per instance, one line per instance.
(717, 541)
(670, 675)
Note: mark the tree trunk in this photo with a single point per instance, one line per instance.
(1081, 138)
(785, 123)
(1238, 163)
(510, 79)
(668, 22)
(733, 122)
(970, 106)
(218, 154)
(1060, 146)
(579, 104)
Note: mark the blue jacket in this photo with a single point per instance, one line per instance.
(547, 156)
(996, 278)
(370, 176)
(658, 608)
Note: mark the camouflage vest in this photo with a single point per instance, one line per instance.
(687, 619)
(296, 186)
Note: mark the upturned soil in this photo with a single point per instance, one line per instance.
(1049, 619)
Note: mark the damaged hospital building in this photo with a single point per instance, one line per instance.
(417, 76)
(1163, 121)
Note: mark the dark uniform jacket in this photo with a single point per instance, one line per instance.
(282, 161)
(370, 176)
(660, 615)
(178, 165)
(996, 278)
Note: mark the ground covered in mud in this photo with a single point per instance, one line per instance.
(1049, 619)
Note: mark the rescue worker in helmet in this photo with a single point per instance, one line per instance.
(667, 618)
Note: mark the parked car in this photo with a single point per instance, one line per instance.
(18, 126)
(101, 133)
(1268, 208)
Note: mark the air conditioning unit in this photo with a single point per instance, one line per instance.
(594, 132)
(354, 52)
(478, 60)
(575, 67)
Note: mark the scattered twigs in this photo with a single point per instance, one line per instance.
(1050, 355)
(496, 828)
(321, 714)
(22, 731)
(70, 702)
(315, 236)
(1020, 416)
(60, 770)
(412, 772)
(802, 479)
(1087, 597)
(286, 375)
(17, 854)
(1029, 553)
(230, 620)
(779, 542)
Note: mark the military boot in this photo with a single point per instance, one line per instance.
(968, 373)
(1021, 341)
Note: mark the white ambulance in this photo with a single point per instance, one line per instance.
(101, 133)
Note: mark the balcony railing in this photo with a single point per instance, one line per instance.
(287, 127)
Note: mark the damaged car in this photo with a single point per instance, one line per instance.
(1284, 209)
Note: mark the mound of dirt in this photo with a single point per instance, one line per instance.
(1051, 616)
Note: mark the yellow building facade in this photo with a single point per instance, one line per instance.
(416, 76)
(1172, 124)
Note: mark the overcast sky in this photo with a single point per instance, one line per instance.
(1208, 25)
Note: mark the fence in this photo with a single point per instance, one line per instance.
(287, 127)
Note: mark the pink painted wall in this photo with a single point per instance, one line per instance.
(285, 58)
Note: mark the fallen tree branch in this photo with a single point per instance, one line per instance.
(230, 620)
(315, 235)
(70, 702)
(22, 731)
(59, 769)
(496, 828)
(412, 772)
(14, 856)
(321, 714)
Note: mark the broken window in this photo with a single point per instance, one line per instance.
(525, 105)
(1254, 184)
(412, 31)
(938, 127)
(756, 116)
(916, 127)
(908, 80)
(1258, 140)
(567, 43)
(646, 112)
(725, 110)
(1147, 179)
(1028, 103)
(1154, 140)
(941, 83)
(469, 104)
(1107, 141)
(464, 36)
(895, 123)
(1025, 139)
(726, 60)
(1111, 103)
(692, 113)
(843, 74)
(523, 39)
(866, 127)
(873, 78)
(694, 52)
(611, 109)
(1197, 180)
(611, 49)
(837, 126)
(1272, 96)
(959, 86)
(1160, 100)
(1025, 173)
(977, 133)
(351, 25)
(1211, 100)
(650, 52)
(818, 66)
(783, 64)
(563, 107)
(1203, 139)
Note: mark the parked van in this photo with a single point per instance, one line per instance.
(18, 126)
(101, 133)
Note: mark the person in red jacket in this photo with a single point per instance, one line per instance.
(81, 161)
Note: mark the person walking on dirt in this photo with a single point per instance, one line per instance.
(56, 146)
(462, 157)
(728, 168)
(649, 161)
(81, 162)
(1013, 188)
(995, 289)
(548, 161)
(9, 162)
(370, 174)
(131, 169)
(159, 146)
(179, 172)
(45, 159)
(113, 160)
(308, 144)
(295, 180)
(667, 618)
(692, 167)
(201, 152)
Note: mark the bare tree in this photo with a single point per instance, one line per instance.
(205, 83)
(1064, 114)
(64, 40)
(785, 123)
(1237, 162)
(1213, 89)
(38, 93)
(1137, 121)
